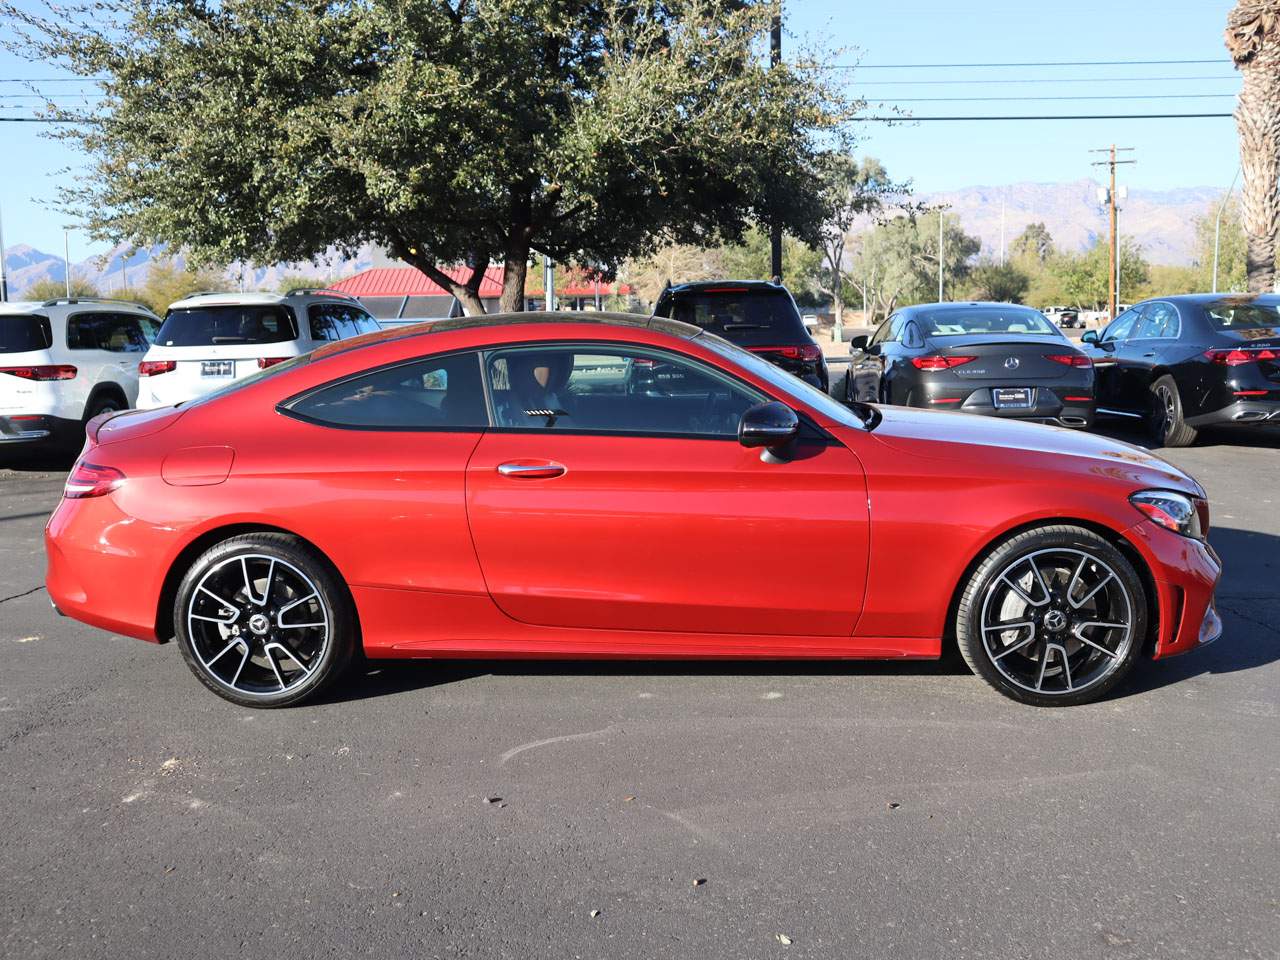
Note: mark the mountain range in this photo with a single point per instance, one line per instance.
(1162, 222)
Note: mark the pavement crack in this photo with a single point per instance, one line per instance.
(25, 593)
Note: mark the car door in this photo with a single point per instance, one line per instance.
(612, 493)
(895, 380)
(1106, 360)
(1153, 333)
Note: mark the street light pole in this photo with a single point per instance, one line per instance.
(1217, 227)
(940, 267)
(775, 229)
(4, 277)
(66, 258)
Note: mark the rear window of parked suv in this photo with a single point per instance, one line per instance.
(24, 334)
(218, 326)
(746, 316)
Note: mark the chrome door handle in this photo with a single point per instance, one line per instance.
(531, 471)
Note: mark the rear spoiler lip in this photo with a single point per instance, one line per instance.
(93, 426)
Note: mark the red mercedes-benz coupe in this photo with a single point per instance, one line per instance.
(544, 485)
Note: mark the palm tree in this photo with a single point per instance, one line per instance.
(1253, 39)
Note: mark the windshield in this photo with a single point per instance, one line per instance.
(792, 386)
(24, 334)
(954, 322)
(742, 315)
(1245, 316)
(218, 326)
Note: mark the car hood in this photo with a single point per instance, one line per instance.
(1010, 444)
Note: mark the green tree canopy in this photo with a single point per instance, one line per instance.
(1004, 283)
(1084, 276)
(897, 261)
(53, 289)
(1034, 243)
(463, 132)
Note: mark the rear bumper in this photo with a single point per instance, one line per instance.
(35, 428)
(1186, 573)
(1062, 406)
(1242, 412)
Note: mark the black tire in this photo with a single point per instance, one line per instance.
(104, 403)
(282, 661)
(1168, 428)
(1014, 659)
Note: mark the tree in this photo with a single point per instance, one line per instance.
(1253, 39)
(1233, 248)
(1084, 277)
(750, 260)
(56, 289)
(674, 263)
(1035, 243)
(853, 190)
(897, 261)
(168, 282)
(1004, 283)
(587, 130)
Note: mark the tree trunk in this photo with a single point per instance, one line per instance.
(515, 266)
(468, 293)
(1254, 44)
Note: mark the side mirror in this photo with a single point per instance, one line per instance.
(859, 342)
(773, 426)
(1090, 336)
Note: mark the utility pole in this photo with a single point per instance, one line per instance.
(1217, 227)
(66, 258)
(1002, 212)
(775, 229)
(4, 277)
(940, 268)
(1113, 260)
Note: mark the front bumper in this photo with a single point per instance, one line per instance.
(1186, 574)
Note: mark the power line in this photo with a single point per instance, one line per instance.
(1006, 80)
(1081, 116)
(1156, 96)
(1041, 63)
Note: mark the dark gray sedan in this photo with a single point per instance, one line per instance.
(997, 359)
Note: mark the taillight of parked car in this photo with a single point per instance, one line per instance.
(46, 372)
(1236, 358)
(808, 352)
(1069, 359)
(91, 480)
(940, 363)
(153, 368)
(264, 362)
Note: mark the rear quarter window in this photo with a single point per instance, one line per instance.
(25, 333)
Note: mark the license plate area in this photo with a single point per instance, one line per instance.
(1011, 398)
(217, 368)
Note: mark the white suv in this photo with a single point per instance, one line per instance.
(211, 339)
(63, 362)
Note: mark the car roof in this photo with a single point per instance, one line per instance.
(584, 319)
(1207, 299)
(13, 307)
(965, 305)
(728, 286)
(234, 298)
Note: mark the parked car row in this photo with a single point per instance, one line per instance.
(1176, 364)
(65, 361)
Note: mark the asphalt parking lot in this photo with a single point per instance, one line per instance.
(678, 810)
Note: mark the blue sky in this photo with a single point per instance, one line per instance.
(935, 156)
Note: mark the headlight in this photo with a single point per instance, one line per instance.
(1173, 511)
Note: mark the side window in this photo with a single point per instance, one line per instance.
(322, 323)
(364, 322)
(1159, 321)
(150, 326)
(911, 336)
(886, 331)
(438, 393)
(610, 390)
(1120, 329)
(112, 332)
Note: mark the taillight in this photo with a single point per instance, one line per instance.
(808, 352)
(939, 363)
(46, 372)
(153, 368)
(1235, 358)
(264, 362)
(91, 480)
(1069, 359)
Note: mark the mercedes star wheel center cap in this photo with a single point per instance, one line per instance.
(1054, 620)
(259, 624)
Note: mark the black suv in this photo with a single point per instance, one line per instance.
(756, 315)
